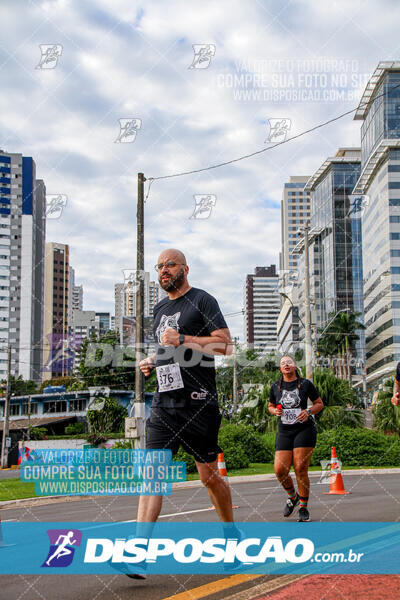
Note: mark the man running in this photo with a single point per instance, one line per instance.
(189, 330)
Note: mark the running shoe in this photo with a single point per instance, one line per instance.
(132, 571)
(290, 506)
(304, 515)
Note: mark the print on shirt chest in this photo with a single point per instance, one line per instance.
(167, 322)
(290, 399)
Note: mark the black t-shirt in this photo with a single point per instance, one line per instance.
(195, 313)
(398, 372)
(291, 396)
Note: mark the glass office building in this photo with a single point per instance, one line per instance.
(335, 243)
(379, 185)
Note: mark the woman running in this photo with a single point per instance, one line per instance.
(297, 435)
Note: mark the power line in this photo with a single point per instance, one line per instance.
(234, 160)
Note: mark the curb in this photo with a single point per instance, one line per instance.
(42, 500)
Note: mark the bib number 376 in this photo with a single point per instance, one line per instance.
(169, 377)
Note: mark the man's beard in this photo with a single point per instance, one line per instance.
(175, 283)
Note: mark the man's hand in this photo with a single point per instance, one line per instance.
(170, 337)
(395, 399)
(146, 366)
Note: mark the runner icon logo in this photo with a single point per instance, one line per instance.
(62, 547)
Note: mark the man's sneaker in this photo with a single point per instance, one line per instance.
(290, 506)
(137, 571)
(304, 515)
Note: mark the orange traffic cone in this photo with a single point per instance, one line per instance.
(337, 485)
(223, 472)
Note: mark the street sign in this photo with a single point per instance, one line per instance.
(8, 442)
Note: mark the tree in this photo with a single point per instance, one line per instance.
(109, 419)
(109, 374)
(19, 387)
(339, 338)
(386, 416)
(342, 405)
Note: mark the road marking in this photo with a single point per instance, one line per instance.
(7, 520)
(266, 587)
(186, 512)
(213, 588)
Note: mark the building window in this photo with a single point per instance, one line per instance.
(78, 405)
(14, 410)
(56, 406)
(25, 408)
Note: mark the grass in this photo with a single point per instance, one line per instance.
(13, 489)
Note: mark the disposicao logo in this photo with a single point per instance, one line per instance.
(191, 550)
(62, 547)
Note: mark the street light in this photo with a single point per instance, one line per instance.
(287, 298)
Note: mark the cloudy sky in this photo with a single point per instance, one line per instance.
(302, 61)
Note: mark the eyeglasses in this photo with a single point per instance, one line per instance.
(170, 264)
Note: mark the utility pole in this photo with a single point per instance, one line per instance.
(4, 449)
(307, 304)
(139, 342)
(29, 419)
(234, 394)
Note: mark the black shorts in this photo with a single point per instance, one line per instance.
(295, 437)
(195, 428)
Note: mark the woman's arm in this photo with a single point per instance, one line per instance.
(317, 406)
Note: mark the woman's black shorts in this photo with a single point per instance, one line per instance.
(296, 437)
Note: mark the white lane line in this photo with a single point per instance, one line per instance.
(277, 487)
(186, 512)
(7, 520)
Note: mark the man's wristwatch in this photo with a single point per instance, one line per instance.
(309, 412)
(181, 339)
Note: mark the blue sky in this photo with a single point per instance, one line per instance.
(127, 59)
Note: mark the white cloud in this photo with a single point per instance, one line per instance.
(124, 60)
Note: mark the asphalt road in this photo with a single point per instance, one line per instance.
(9, 473)
(373, 498)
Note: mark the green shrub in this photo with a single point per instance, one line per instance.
(37, 433)
(187, 458)
(75, 428)
(242, 445)
(358, 447)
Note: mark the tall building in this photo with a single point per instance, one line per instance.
(295, 211)
(75, 295)
(288, 322)
(84, 324)
(22, 240)
(261, 309)
(125, 298)
(104, 321)
(379, 190)
(56, 363)
(335, 253)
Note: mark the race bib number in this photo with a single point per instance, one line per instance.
(289, 415)
(169, 377)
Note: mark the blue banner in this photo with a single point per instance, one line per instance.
(109, 472)
(206, 548)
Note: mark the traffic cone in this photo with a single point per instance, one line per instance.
(223, 472)
(337, 485)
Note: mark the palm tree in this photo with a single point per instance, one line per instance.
(386, 416)
(341, 334)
